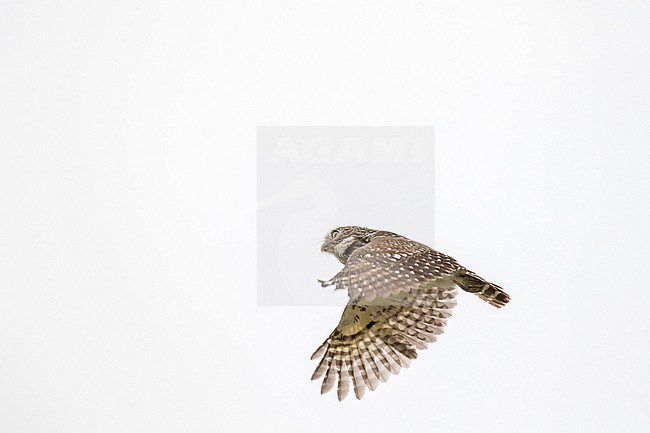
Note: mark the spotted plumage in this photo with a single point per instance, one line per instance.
(401, 295)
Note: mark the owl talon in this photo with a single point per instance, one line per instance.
(324, 283)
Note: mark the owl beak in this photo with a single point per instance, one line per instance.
(323, 247)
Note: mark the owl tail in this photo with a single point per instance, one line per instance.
(490, 293)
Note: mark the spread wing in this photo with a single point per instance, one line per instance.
(399, 302)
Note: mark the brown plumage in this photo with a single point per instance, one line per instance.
(401, 294)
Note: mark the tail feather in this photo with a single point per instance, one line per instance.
(490, 293)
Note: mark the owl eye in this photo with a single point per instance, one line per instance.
(334, 233)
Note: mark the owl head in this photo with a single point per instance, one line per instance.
(342, 241)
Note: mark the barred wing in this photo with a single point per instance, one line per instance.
(374, 339)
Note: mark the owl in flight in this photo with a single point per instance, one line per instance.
(401, 294)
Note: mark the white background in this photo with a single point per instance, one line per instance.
(127, 218)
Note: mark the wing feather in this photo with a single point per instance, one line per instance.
(401, 295)
(376, 339)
